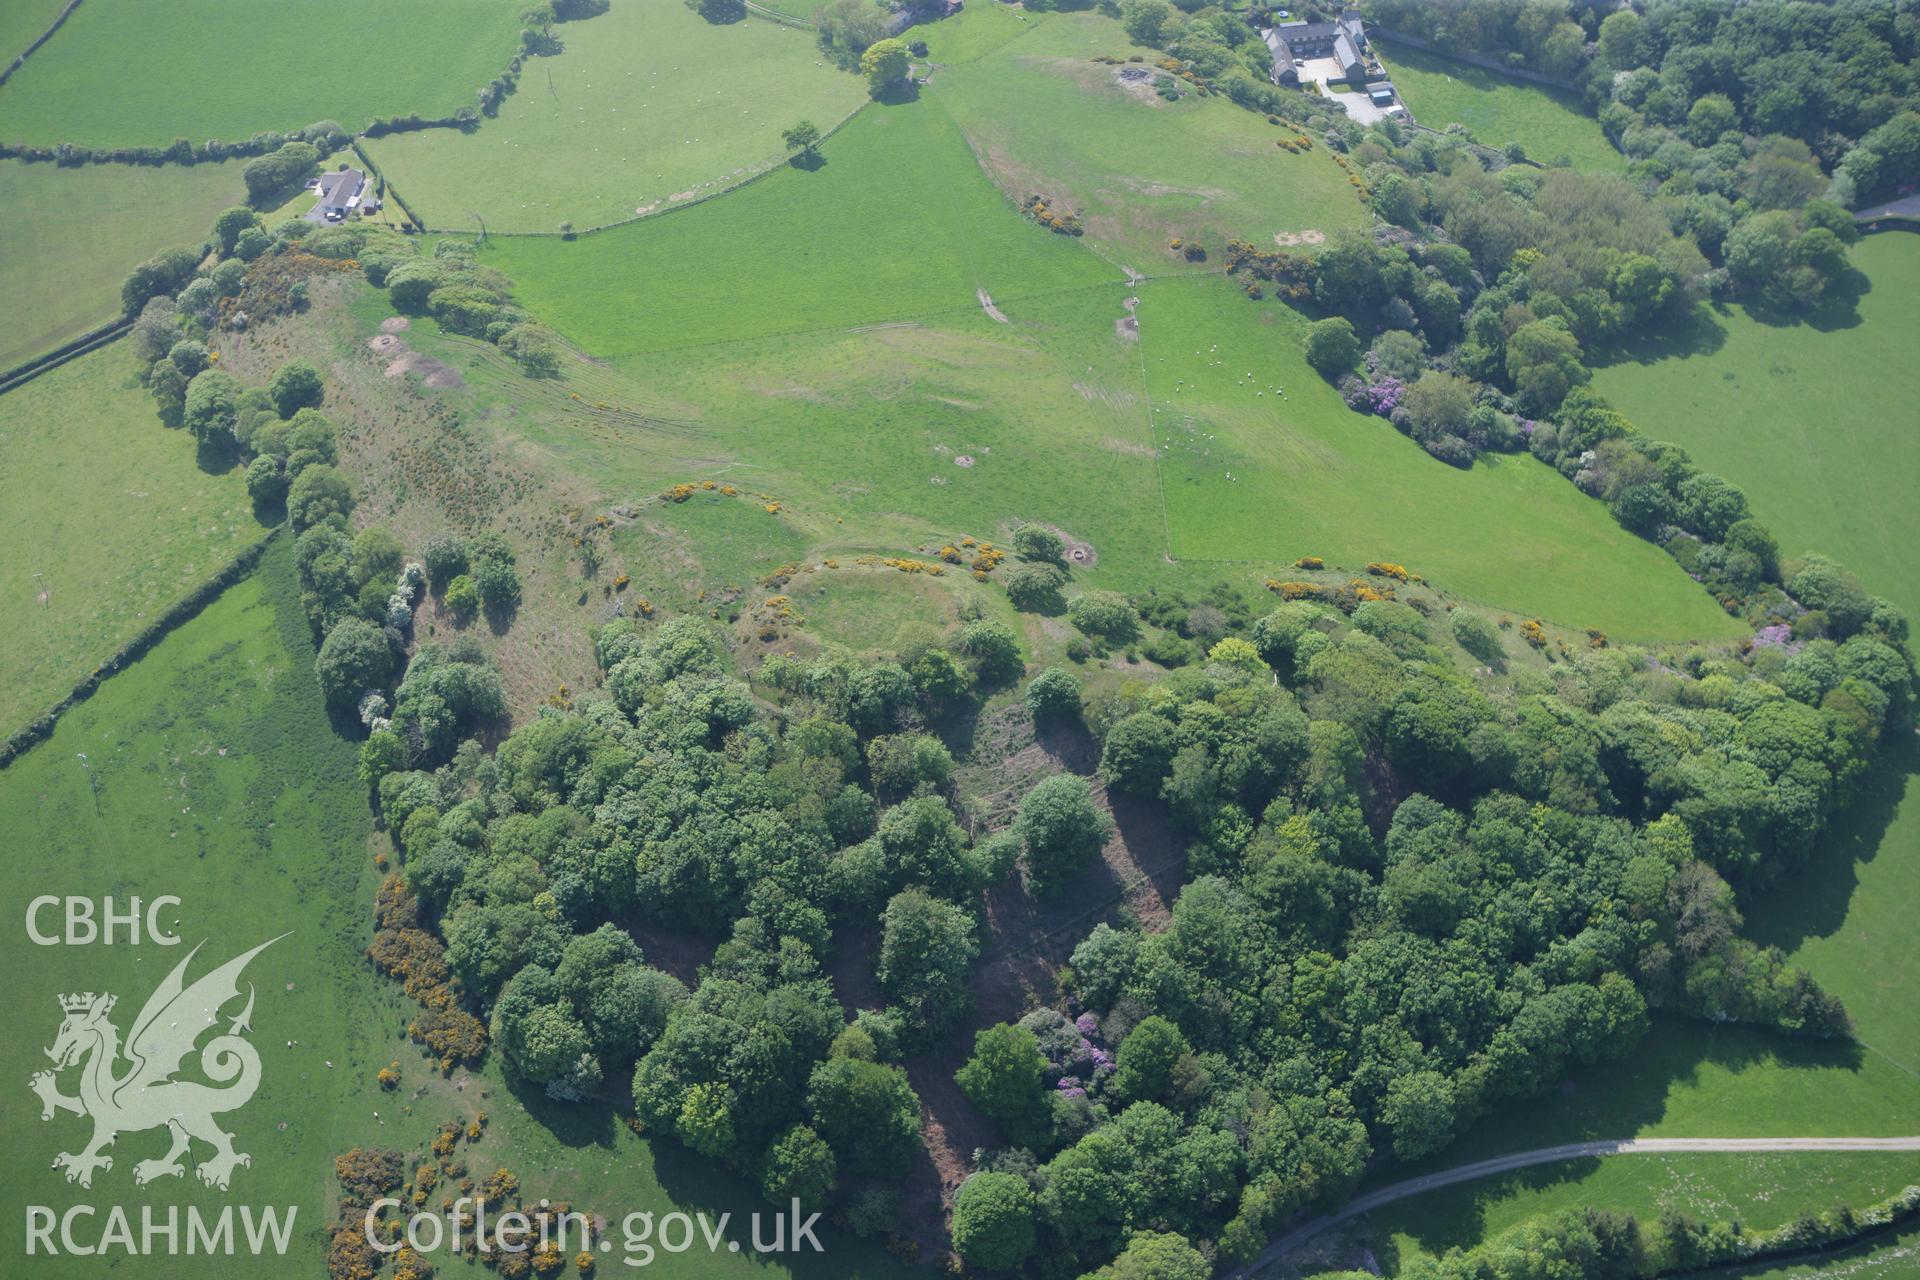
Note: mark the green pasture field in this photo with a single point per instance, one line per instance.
(1044, 119)
(128, 73)
(74, 234)
(206, 771)
(1814, 421)
(649, 107)
(898, 222)
(1263, 463)
(1763, 1191)
(22, 22)
(976, 31)
(1549, 123)
(108, 513)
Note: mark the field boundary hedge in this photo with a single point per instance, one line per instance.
(182, 610)
(42, 39)
(92, 340)
(385, 189)
(1891, 222)
(761, 11)
(577, 232)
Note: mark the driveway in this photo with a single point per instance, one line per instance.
(1359, 106)
(1323, 72)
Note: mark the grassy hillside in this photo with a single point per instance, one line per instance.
(1264, 463)
(124, 73)
(105, 511)
(1549, 123)
(74, 234)
(897, 223)
(1045, 119)
(650, 106)
(1815, 423)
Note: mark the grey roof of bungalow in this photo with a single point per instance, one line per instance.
(341, 186)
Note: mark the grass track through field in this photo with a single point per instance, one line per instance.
(24, 21)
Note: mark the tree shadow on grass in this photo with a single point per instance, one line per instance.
(1839, 307)
(214, 458)
(1622, 1098)
(1456, 1217)
(1699, 333)
(899, 93)
(1811, 901)
(572, 1124)
(811, 161)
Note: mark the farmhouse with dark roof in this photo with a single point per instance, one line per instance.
(1344, 40)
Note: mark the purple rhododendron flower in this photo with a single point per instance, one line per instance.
(1087, 1025)
(1383, 397)
(1776, 636)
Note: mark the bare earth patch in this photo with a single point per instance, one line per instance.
(1137, 81)
(1127, 329)
(986, 305)
(963, 460)
(1288, 239)
(402, 359)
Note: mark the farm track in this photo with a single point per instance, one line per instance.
(1396, 1191)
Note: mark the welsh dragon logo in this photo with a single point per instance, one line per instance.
(143, 1094)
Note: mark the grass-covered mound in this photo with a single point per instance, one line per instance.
(649, 106)
(124, 73)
